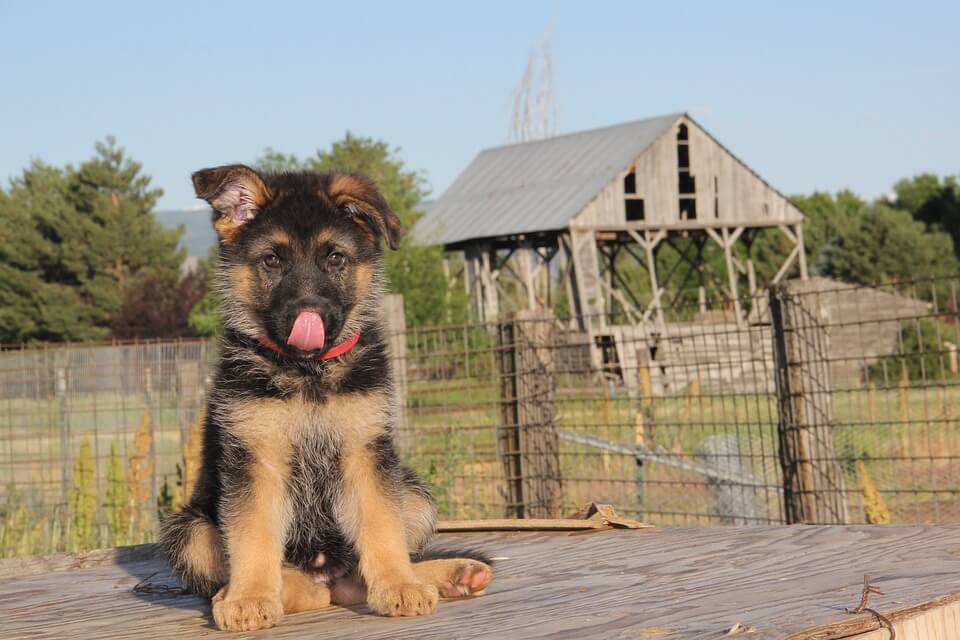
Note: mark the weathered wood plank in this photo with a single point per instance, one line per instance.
(693, 583)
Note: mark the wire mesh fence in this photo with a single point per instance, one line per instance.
(842, 408)
(92, 440)
(819, 402)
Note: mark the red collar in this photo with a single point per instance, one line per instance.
(333, 352)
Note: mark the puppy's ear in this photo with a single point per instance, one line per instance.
(236, 193)
(358, 196)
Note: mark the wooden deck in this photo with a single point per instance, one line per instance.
(787, 582)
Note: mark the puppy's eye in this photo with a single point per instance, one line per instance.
(335, 261)
(271, 261)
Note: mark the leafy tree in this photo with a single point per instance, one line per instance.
(73, 241)
(36, 303)
(888, 245)
(932, 201)
(828, 218)
(159, 305)
(204, 317)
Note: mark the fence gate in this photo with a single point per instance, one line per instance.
(813, 485)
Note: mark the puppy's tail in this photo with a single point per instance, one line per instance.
(447, 553)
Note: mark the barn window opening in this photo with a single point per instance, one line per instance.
(686, 182)
(632, 203)
(635, 212)
(716, 197)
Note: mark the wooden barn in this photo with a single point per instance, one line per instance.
(591, 196)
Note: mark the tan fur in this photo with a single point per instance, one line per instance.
(344, 187)
(354, 417)
(419, 518)
(226, 188)
(302, 593)
(326, 236)
(205, 551)
(225, 228)
(351, 192)
(455, 577)
(242, 281)
(362, 277)
(375, 524)
(279, 238)
(255, 532)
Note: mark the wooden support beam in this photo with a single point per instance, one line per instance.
(802, 254)
(728, 240)
(570, 282)
(586, 267)
(490, 299)
(786, 265)
(527, 267)
(656, 305)
(787, 232)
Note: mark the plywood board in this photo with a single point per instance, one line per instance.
(664, 583)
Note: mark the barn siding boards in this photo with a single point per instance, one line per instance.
(744, 197)
(741, 197)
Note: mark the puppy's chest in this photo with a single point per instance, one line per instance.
(282, 427)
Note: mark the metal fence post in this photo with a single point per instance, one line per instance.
(813, 485)
(528, 442)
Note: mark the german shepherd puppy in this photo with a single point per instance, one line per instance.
(301, 499)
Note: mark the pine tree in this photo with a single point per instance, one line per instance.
(72, 240)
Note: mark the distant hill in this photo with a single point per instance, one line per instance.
(198, 234)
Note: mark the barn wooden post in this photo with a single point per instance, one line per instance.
(813, 485)
(728, 241)
(528, 442)
(396, 325)
(801, 251)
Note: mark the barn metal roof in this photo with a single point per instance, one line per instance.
(535, 186)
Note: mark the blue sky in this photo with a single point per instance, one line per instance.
(814, 95)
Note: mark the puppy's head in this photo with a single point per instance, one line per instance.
(299, 253)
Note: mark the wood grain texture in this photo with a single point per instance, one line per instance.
(666, 583)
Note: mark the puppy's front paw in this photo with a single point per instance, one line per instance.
(245, 614)
(405, 599)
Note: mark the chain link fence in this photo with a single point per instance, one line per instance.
(820, 402)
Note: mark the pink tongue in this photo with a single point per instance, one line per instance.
(307, 333)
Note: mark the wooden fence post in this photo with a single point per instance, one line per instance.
(528, 441)
(813, 485)
(396, 330)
